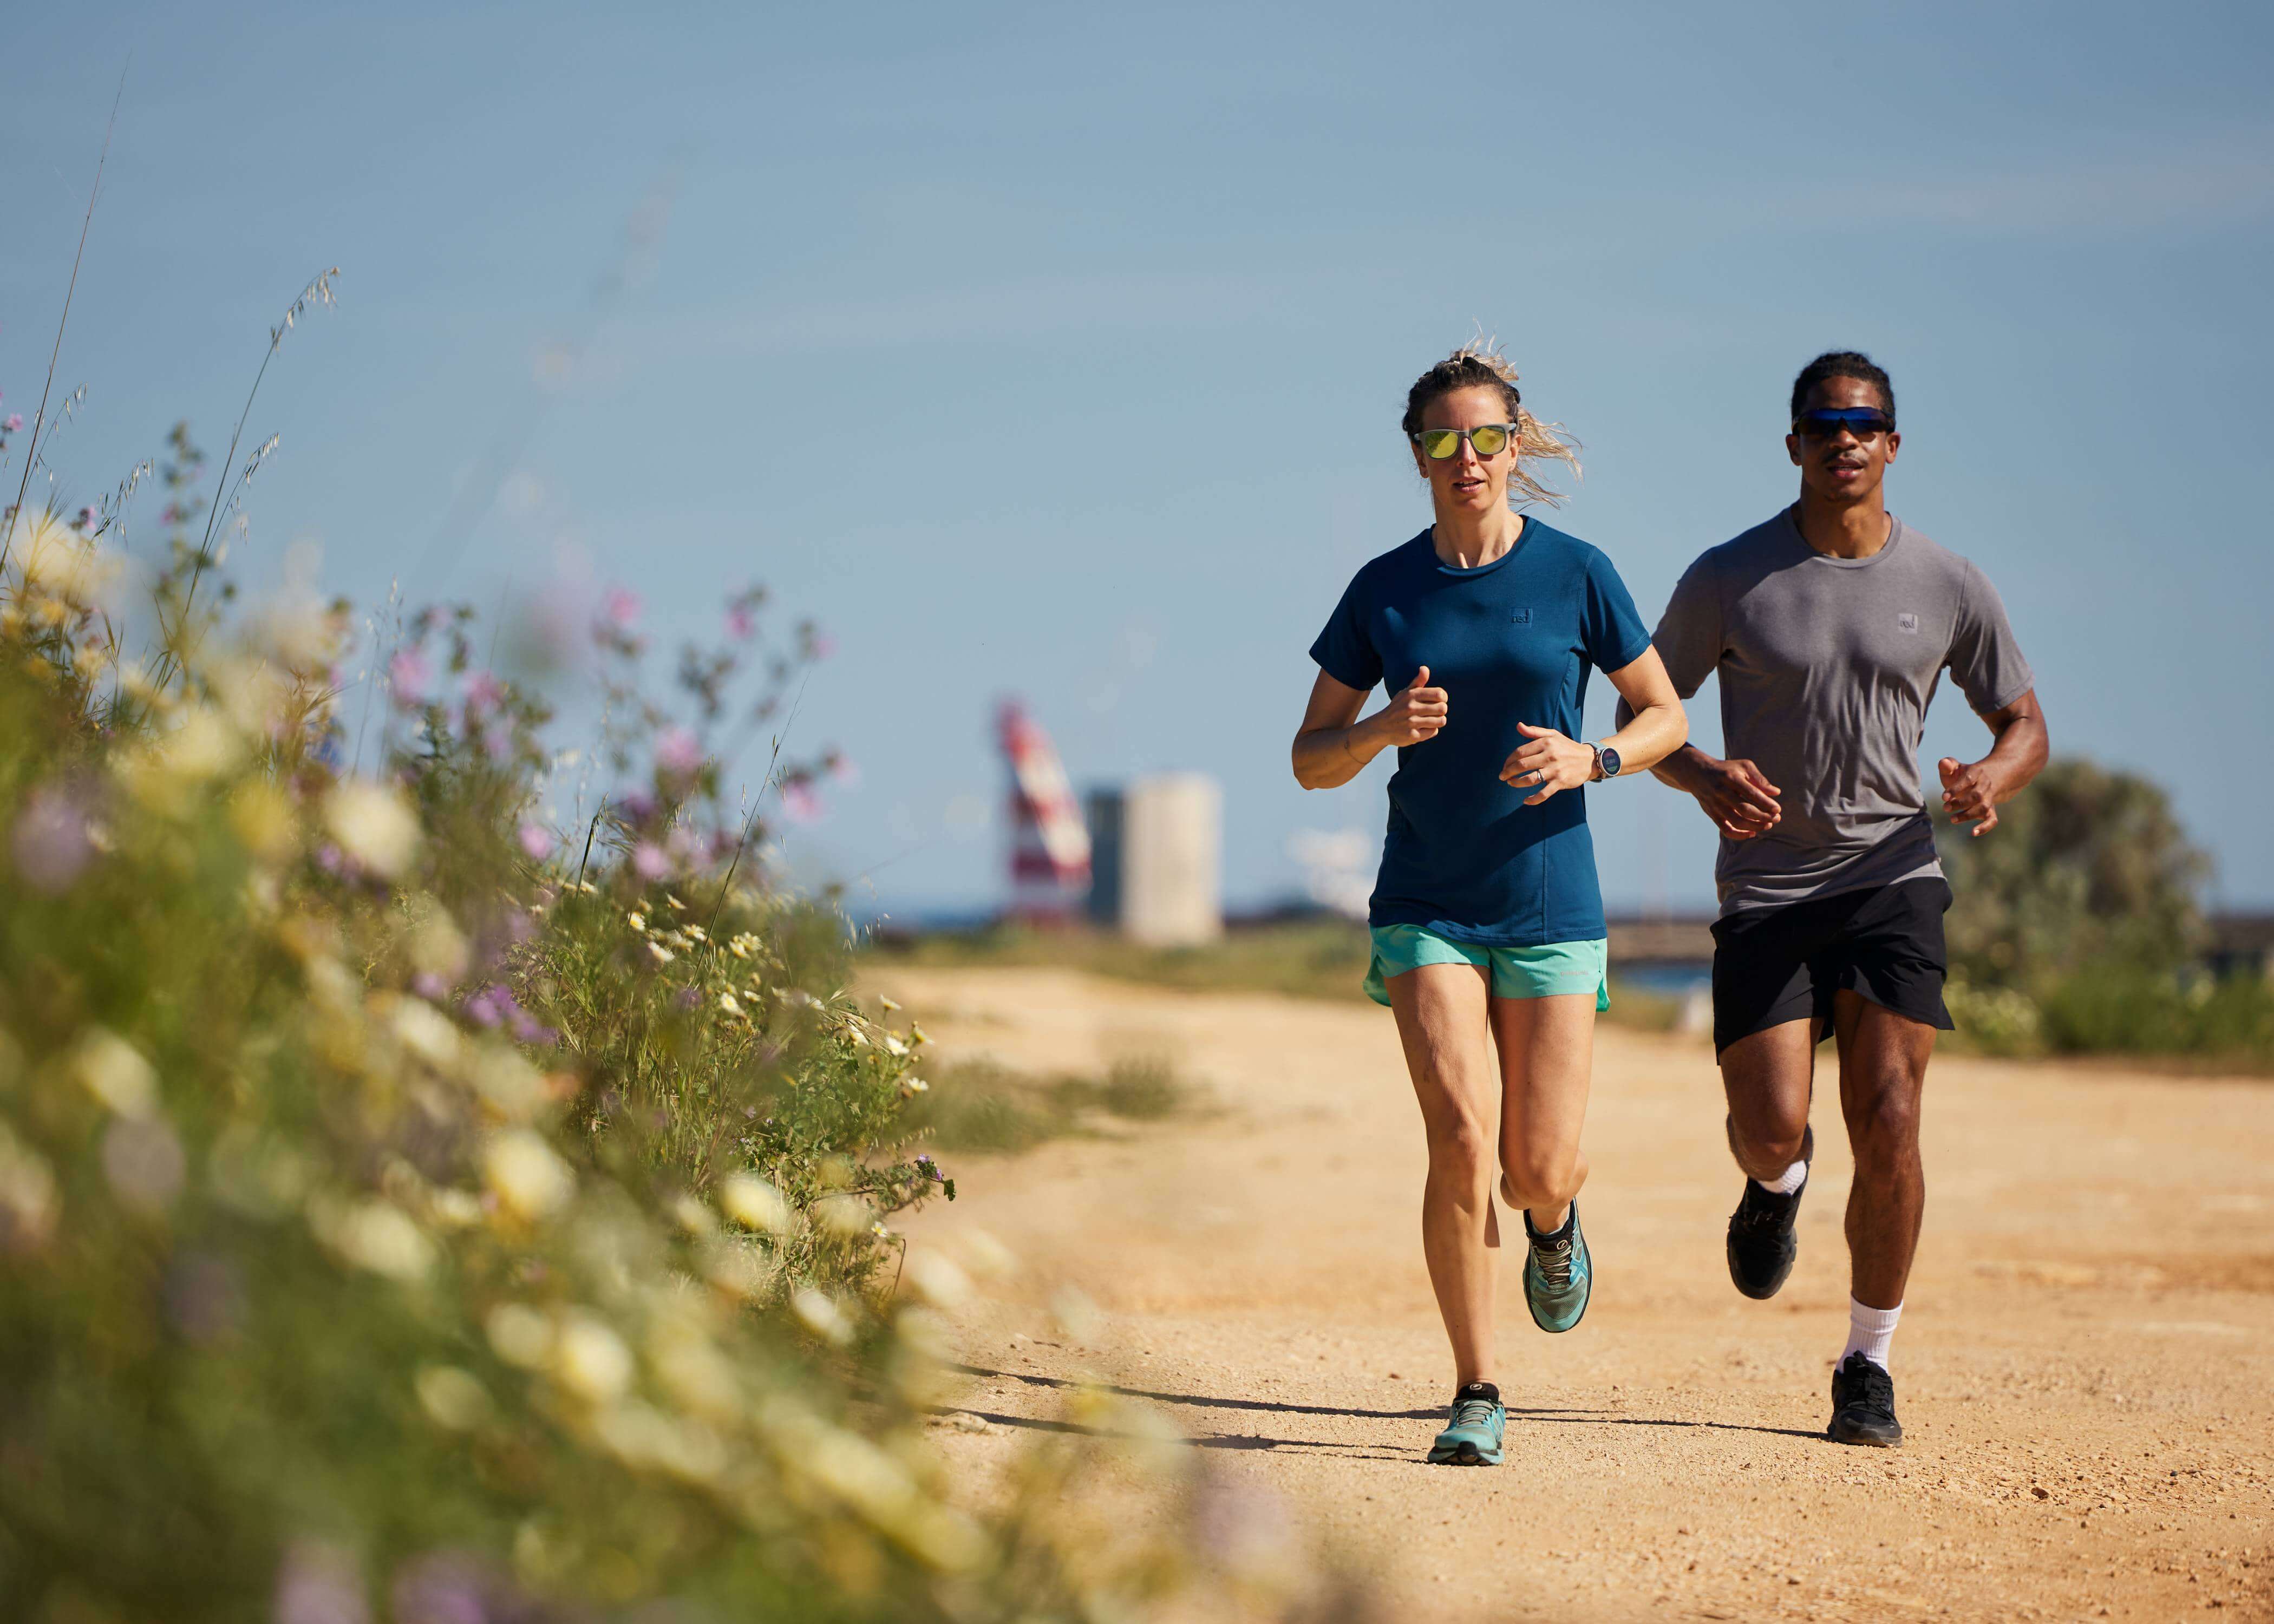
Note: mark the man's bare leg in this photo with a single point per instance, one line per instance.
(1768, 1077)
(1883, 1060)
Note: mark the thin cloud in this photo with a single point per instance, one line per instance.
(2207, 186)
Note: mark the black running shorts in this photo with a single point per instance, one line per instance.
(1779, 964)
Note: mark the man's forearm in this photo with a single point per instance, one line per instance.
(2019, 754)
(1684, 769)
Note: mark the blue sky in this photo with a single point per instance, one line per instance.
(1059, 351)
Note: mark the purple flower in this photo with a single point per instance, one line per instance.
(51, 843)
(15, 421)
(88, 516)
(689, 997)
(740, 623)
(648, 860)
(328, 858)
(529, 1030)
(430, 986)
(482, 1009)
(408, 675)
(537, 841)
(676, 752)
(638, 806)
(319, 1584)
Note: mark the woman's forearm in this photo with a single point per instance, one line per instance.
(1651, 735)
(1328, 757)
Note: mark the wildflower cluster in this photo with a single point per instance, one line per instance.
(401, 1200)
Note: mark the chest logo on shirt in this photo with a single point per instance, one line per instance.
(1907, 622)
(1522, 617)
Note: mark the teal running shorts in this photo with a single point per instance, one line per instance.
(1516, 971)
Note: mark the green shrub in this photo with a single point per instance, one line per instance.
(2113, 1006)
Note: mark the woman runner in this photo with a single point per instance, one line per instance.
(1486, 920)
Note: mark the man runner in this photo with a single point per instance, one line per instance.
(1830, 626)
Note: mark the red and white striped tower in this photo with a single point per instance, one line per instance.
(1049, 844)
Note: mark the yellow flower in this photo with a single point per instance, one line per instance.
(528, 1178)
(730, 1004)
(591, 1361)
(755, 1204)
(115, 1073)
(375, 825)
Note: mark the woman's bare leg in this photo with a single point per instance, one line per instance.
(1546, 1063)
(1442, 1021)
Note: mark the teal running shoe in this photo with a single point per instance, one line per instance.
(1472, 1437)
(1558, 1273)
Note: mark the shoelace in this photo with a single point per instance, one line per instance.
(1555, 1263)
(1764, 1210)
(1472, 1412)
(1872, 1387)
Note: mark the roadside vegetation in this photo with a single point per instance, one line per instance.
(2077, 931)
(443, 1176)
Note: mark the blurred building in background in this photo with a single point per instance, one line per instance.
(1050, 848)
(1158, 875)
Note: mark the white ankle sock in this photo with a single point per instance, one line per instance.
(1786, 1182)
(1870, 1330)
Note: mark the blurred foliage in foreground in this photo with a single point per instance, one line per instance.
(412, 1211)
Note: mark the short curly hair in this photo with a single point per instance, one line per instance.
(1482, 366)
(1843, 364)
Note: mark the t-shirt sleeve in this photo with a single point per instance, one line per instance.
(1344, 650)
(1689, 634)
(1611, 633)
(1985, 659)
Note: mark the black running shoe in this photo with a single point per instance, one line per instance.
(1762, 1245)
(1864, 1405)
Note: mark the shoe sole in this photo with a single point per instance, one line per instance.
(1762, 1293)
(1864, 1437)
(1465, 1455)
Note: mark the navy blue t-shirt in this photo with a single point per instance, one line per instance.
(1512, 641)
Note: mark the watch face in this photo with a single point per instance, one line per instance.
(1610, 763)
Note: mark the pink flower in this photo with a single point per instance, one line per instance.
(52, 843)
(408, 675)
(676, 752)
(648, 860)
(15, 421)
(483, 691)
(622, 607)
(536, 840)
(740, 623)
(841, 769)
(799, 801)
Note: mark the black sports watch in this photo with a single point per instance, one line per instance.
(1607, 761)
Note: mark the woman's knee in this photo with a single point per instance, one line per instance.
(1460, 1149)
(1541, 1178)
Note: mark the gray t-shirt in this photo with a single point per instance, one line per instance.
(1827, 666)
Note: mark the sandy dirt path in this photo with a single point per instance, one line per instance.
(2085, 1370)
